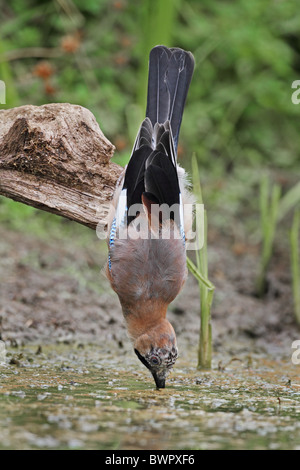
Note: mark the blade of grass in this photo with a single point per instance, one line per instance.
(295, 262)
(288, 201)
(158, 26)
(269, 207)
(206, 288)
(6, 76)
(197, 274)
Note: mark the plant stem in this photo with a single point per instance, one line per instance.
(288, 201)
(6, 76)
(158, 25)
(295, 261)
(206, 288)
(268, 216)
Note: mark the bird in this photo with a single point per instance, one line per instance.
(146, 263)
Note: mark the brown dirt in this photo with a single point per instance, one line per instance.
(53, 290)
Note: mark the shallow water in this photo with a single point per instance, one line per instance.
(90, 397)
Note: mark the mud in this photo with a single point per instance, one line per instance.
(53, 289)
(70, 379)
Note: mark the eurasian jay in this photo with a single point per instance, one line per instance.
(147, 246)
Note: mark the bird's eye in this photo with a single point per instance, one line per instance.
(155, 360)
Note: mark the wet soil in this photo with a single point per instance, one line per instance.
(53, 289)
(69, 378)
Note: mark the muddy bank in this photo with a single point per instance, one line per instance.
(52, 289)
(70, 380)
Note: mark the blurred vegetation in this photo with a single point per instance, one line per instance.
(239, 118)
(94, 53)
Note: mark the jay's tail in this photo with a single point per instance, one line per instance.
(151, 174)
(170, 74)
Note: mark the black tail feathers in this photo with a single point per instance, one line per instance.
(151, 173)
(170, 74)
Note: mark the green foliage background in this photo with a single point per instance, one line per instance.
(239, 117)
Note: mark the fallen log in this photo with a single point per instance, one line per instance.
(55, 158)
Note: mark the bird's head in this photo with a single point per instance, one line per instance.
(157, 350)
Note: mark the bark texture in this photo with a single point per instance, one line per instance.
(56, 158)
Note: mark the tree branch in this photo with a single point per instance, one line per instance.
(56, 158)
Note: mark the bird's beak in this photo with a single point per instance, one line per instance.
(160, 380)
